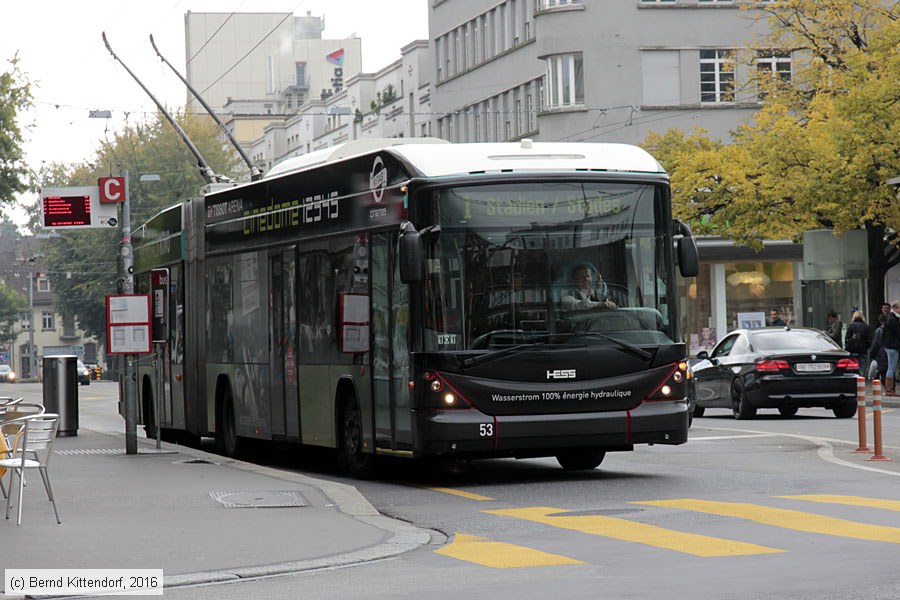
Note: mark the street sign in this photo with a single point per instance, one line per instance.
(159, 287)
(128, 324)
(112, 189)
(75, 207)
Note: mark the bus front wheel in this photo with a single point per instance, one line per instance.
(580, 460)
(351, 454)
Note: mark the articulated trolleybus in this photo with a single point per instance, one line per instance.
(421, 298)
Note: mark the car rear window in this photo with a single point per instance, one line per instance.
(803, 341)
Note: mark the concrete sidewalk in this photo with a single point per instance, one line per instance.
(198, 516)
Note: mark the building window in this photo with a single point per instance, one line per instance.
(716, 76)
(565, 80)
(660, 71)
(529, 109)
(457, 42)
(68, 327)
(47, 320)
(466, 51)
(43, 284)
(300, 71)
(773, 67)
(520, 124)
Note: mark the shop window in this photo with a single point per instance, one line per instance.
(754, 289)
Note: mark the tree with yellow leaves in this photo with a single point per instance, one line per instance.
(819, 152)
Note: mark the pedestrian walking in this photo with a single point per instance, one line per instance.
(885, 311)
(890, 339)
(859, 339)
(878, 366)
(835, 327)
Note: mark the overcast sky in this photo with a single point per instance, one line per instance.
(60, 49)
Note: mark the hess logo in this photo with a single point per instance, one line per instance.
(561, 374)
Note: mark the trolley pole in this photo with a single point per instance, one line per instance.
(128, 388)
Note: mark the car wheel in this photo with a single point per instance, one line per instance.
(846, 409)
(699, 410)
(739, 405)
(787, 411)
(580, 460)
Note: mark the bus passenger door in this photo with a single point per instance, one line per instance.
(390, 354)
(283, 345)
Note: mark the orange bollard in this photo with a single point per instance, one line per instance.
(876, 423)
(861, 412)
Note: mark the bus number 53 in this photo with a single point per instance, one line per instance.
(486, 429)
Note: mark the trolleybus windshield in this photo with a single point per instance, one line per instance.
(503, 270)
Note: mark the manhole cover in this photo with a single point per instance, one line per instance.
(267, 499)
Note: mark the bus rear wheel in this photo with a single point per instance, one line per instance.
(227, 439)
(580, 460)
(351, 454)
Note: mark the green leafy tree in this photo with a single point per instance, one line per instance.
(12, 305)
(820, 151)
(83, 264)
(15, 97)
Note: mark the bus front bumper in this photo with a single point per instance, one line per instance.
(473, 434)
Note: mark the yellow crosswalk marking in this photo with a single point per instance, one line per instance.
(788, 519)
(461, 493)
(499, 555)
(848, 500)
(642, 533)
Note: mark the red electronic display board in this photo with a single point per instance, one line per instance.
(60, 211)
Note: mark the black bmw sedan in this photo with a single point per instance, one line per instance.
(774, 367)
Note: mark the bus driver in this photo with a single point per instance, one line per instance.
(585, 292)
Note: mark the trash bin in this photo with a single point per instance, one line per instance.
(61, 392)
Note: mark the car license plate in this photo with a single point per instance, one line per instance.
(813, 367)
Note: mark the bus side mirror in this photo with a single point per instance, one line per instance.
(688, 257)
(411, 261)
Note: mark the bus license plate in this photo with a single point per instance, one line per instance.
(813, 367)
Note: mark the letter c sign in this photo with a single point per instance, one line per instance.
(112, 189)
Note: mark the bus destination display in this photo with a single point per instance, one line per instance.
(60, 211)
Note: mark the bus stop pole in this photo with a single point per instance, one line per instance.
(160, 388)
(128, 388)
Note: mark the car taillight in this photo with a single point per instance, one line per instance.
(849, 364)
(771, 366)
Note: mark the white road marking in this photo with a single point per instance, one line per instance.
(825, 448)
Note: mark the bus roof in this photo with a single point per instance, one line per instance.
(525, 156)
(432, 157)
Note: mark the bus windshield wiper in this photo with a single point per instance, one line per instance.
(639, 352)
(481, 359)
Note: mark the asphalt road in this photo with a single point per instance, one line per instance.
(769, 508)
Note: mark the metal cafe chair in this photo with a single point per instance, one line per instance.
(32, 448)
(13, 409)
